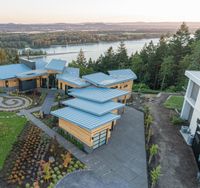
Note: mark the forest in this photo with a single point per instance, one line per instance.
(158, 66)
(43, 40)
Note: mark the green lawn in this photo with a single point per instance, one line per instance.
(174, 102)
(10, 128)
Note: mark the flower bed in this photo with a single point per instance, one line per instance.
(37, 161)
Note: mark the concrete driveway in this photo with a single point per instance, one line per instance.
(120, 163)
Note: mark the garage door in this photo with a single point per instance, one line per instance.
(99, 139)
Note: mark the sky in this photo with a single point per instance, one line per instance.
(77, 11)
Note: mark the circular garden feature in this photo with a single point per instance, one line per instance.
(14, 103)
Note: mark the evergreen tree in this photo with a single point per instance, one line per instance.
(122, 59)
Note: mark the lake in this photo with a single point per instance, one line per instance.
(92, 50)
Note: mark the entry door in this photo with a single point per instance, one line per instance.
(196, 146)
(99, 139)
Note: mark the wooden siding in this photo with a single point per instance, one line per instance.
(63, 83)
(13, 83)
(83, 135)
(2, 83)
(126, 86)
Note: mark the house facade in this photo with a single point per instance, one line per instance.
(91, 114)
(191, 106)
(191, 111)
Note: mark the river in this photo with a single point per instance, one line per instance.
(92, 50)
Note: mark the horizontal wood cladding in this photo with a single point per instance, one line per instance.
(78, 132)
(126, 86)
(83, 135)
(62, 84)
(12, 83)
(2, 83)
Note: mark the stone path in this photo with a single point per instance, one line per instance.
(48, 102)
(13, 103)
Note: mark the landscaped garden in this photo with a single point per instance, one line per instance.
(36, 161)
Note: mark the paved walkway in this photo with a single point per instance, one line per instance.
(48, 102)
(121, 162)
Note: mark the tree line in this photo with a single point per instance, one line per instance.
(43, 40)
(159, 66)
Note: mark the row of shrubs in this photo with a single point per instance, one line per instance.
(71, 139)
(152, 150)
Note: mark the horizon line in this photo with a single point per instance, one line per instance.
(120, 22)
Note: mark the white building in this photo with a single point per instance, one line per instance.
(191, 105)
(191, 112)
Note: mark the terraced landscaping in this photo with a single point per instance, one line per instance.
(36, 160)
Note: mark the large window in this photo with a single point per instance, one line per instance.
(195, 91)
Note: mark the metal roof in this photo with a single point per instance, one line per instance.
(103, 80)
(56, 65)
(123, 73)
(32, 73)
(97, 94)
(72, 71)
(40, 64)
(83, 119)
(72, 80)
(93, 107)
(10, 71)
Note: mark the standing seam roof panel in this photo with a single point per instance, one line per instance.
(93, 107)
(98, 94)
(84, 119)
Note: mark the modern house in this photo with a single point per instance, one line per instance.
(191, 111)
(92, 113)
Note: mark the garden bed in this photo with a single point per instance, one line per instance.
(37, 161)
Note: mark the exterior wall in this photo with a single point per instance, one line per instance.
(2, 83)
(13, 83)
(81, 134)
(28, 63)
(190, 104)
(195, 116)
(126, 86)
(60, 82)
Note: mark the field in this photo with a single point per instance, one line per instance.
(10, 127)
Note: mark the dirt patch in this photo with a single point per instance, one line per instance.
(178, 166)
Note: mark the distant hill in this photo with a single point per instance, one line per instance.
(126, 26)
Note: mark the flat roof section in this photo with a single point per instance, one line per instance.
(83, 119)
(10, 71)
(95, 94)
(103, 80)
(73, 80)
(93, 107)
